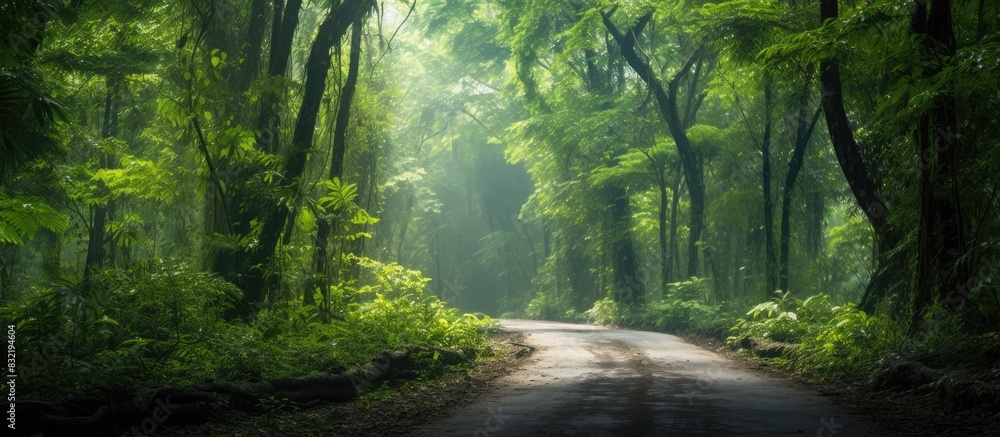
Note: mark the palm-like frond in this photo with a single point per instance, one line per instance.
(20, 219)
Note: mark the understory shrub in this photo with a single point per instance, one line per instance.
(159, 323)
(834, 341)
(850, 344)
(550, 305)
(683, 309)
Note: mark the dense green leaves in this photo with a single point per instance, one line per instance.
(20, 219)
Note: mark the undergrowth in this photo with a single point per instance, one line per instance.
(822, 340)
(685, 308)
(161, 324)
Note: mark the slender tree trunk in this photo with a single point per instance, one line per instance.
(675, 255)
(769, 264)
(253, 43)
(802, 136)
(284, 24)
(325, 224)
(97, 252)
(251, 278)
(863, 186)
(662, 225)
(666, 99)
(628, 285)
(659, 171)
(234, 214)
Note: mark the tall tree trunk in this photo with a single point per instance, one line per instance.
(662, 227)
(666, 99)
(284, 24)
(628, 285)
(253, 43)
(941, 246)
(324, 224)
(863, 186)
(234, 214)
(97, 252)
(251, 278)
(675, 256)
(659, 171)
(765, 147)
(802, 135)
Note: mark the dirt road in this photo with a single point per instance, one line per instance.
(588, 380)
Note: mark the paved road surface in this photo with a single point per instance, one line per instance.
(594, 381)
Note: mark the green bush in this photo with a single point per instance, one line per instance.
(682, 310)
(393, 310)
(835, 341)
(783, 319)
(551, 306)
(849, 344)
(161, 324)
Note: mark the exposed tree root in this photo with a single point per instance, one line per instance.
(956, 390)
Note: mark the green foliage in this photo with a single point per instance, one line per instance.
(168, 314)
(339, 195)
(21, 218)
(683, 310)
(179, 147)
(782, 318)
(145, 325)
(291, 339)
(139, 178)
(58, 329)
(834, 341)
(551, 306)
(850, 344)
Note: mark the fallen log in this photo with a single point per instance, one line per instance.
(107, 413)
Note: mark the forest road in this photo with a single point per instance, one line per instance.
(592, 381)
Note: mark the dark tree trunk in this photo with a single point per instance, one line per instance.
(253, 43)
(666, 99)
(584, 287)
(659, 171)
(802, 135)
(97, 252)
(941, 246)
(325, 224)
(675, 255)
(628, 285)
(232, 213)
(284, 24)
(251, 278)
(863, 186)
(662, 223)
(769, 264)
